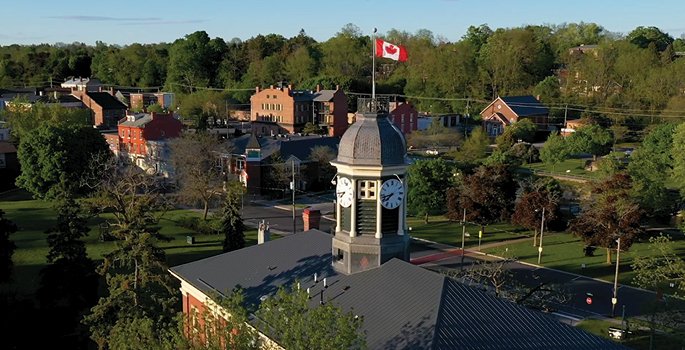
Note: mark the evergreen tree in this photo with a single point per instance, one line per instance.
(230, 221)
(137, 279)
(6, 247)
(69, 284)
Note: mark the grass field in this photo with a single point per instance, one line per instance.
(444, 231)
(638, 339)
(571, 166)
(34, 217)
(560, 250)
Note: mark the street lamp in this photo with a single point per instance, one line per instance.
(463, 236)
(614, 300)
(542, 227)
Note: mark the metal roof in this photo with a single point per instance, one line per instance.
(372, 140)
(403, 306)
(525, 106)
(290, 145)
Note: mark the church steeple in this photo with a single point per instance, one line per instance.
(370, 192)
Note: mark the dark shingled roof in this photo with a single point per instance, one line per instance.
(291, 145)
(525, 106)
(372, 140)
(106, 101)
(403, 306)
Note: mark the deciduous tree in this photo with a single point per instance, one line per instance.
(555, 150)
(290, 319)
(488, 195)
(609, 214)
(54, 159)
(427, 182)
(229, 218)
(194, 157)
(529, 206)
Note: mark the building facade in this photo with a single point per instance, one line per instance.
(504, 111)
(106, 110)
(282, 110)
(404, 116)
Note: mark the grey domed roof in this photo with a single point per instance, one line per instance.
(372, 140)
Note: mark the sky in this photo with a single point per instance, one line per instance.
(151, 21)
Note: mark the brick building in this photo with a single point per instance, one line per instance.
(140, 101)
(106, 110)
(404, 116)
(282, 110)
(143, 138)
(504, 111)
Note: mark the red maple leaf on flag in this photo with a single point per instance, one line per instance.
(391, 49)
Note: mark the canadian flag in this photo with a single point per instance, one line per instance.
(391, 51)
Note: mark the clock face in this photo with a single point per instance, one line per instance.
(392, 193)
(344, 191)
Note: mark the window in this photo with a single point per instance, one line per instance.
(367, 189)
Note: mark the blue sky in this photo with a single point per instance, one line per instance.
(145, 21)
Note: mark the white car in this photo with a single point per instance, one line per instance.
(432, 152)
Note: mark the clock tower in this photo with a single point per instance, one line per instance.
(371, 191)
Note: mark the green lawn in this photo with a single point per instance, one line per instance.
(571, 166)
(33, 217)
(444, 231)
(561, 250)
(638, 339)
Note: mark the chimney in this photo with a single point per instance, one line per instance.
(290, 86)
(311, 219)
(537, 97)
(318, 88)
(257, 89)
(263, 234)
(337, 87)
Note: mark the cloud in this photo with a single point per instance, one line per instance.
(126, 20)
(19, 36)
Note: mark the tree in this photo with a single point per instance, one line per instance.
(608, 215)
(529, 206)
(69, 284)
(138, 282)
(229, 219)
(53, 159)
(654, 271)
(25, 121)
(288, 318)
(194, 157)
(319, 169)
(678, 158)
(651, 166)
(523, 130)
(311, 128)
(194, 61)
(7, 247)
(488, 195)
(427, 182)
(475, 147)
(644, 36)
(592, 139)
(555, 150)
(217, 326)
(548, 89)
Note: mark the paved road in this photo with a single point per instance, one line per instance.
(636, 301)
(280, 219)
(440, 257)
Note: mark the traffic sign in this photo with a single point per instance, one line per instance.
(588, 300)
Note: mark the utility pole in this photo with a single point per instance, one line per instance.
(542, 227)
(565, 114)
(614, 300)
(463, 236)
(292, 162)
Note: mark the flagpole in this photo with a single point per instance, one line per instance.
(373, 69)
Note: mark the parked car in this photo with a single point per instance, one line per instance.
(432, 152)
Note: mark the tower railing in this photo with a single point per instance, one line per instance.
(373, 105)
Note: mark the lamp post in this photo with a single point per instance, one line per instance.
(463, 237)
(614, 300)
(542, 227)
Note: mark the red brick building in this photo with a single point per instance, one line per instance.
(143, 138)
(106, 110)
(404, 116)
(283, 110)
(504, 111)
